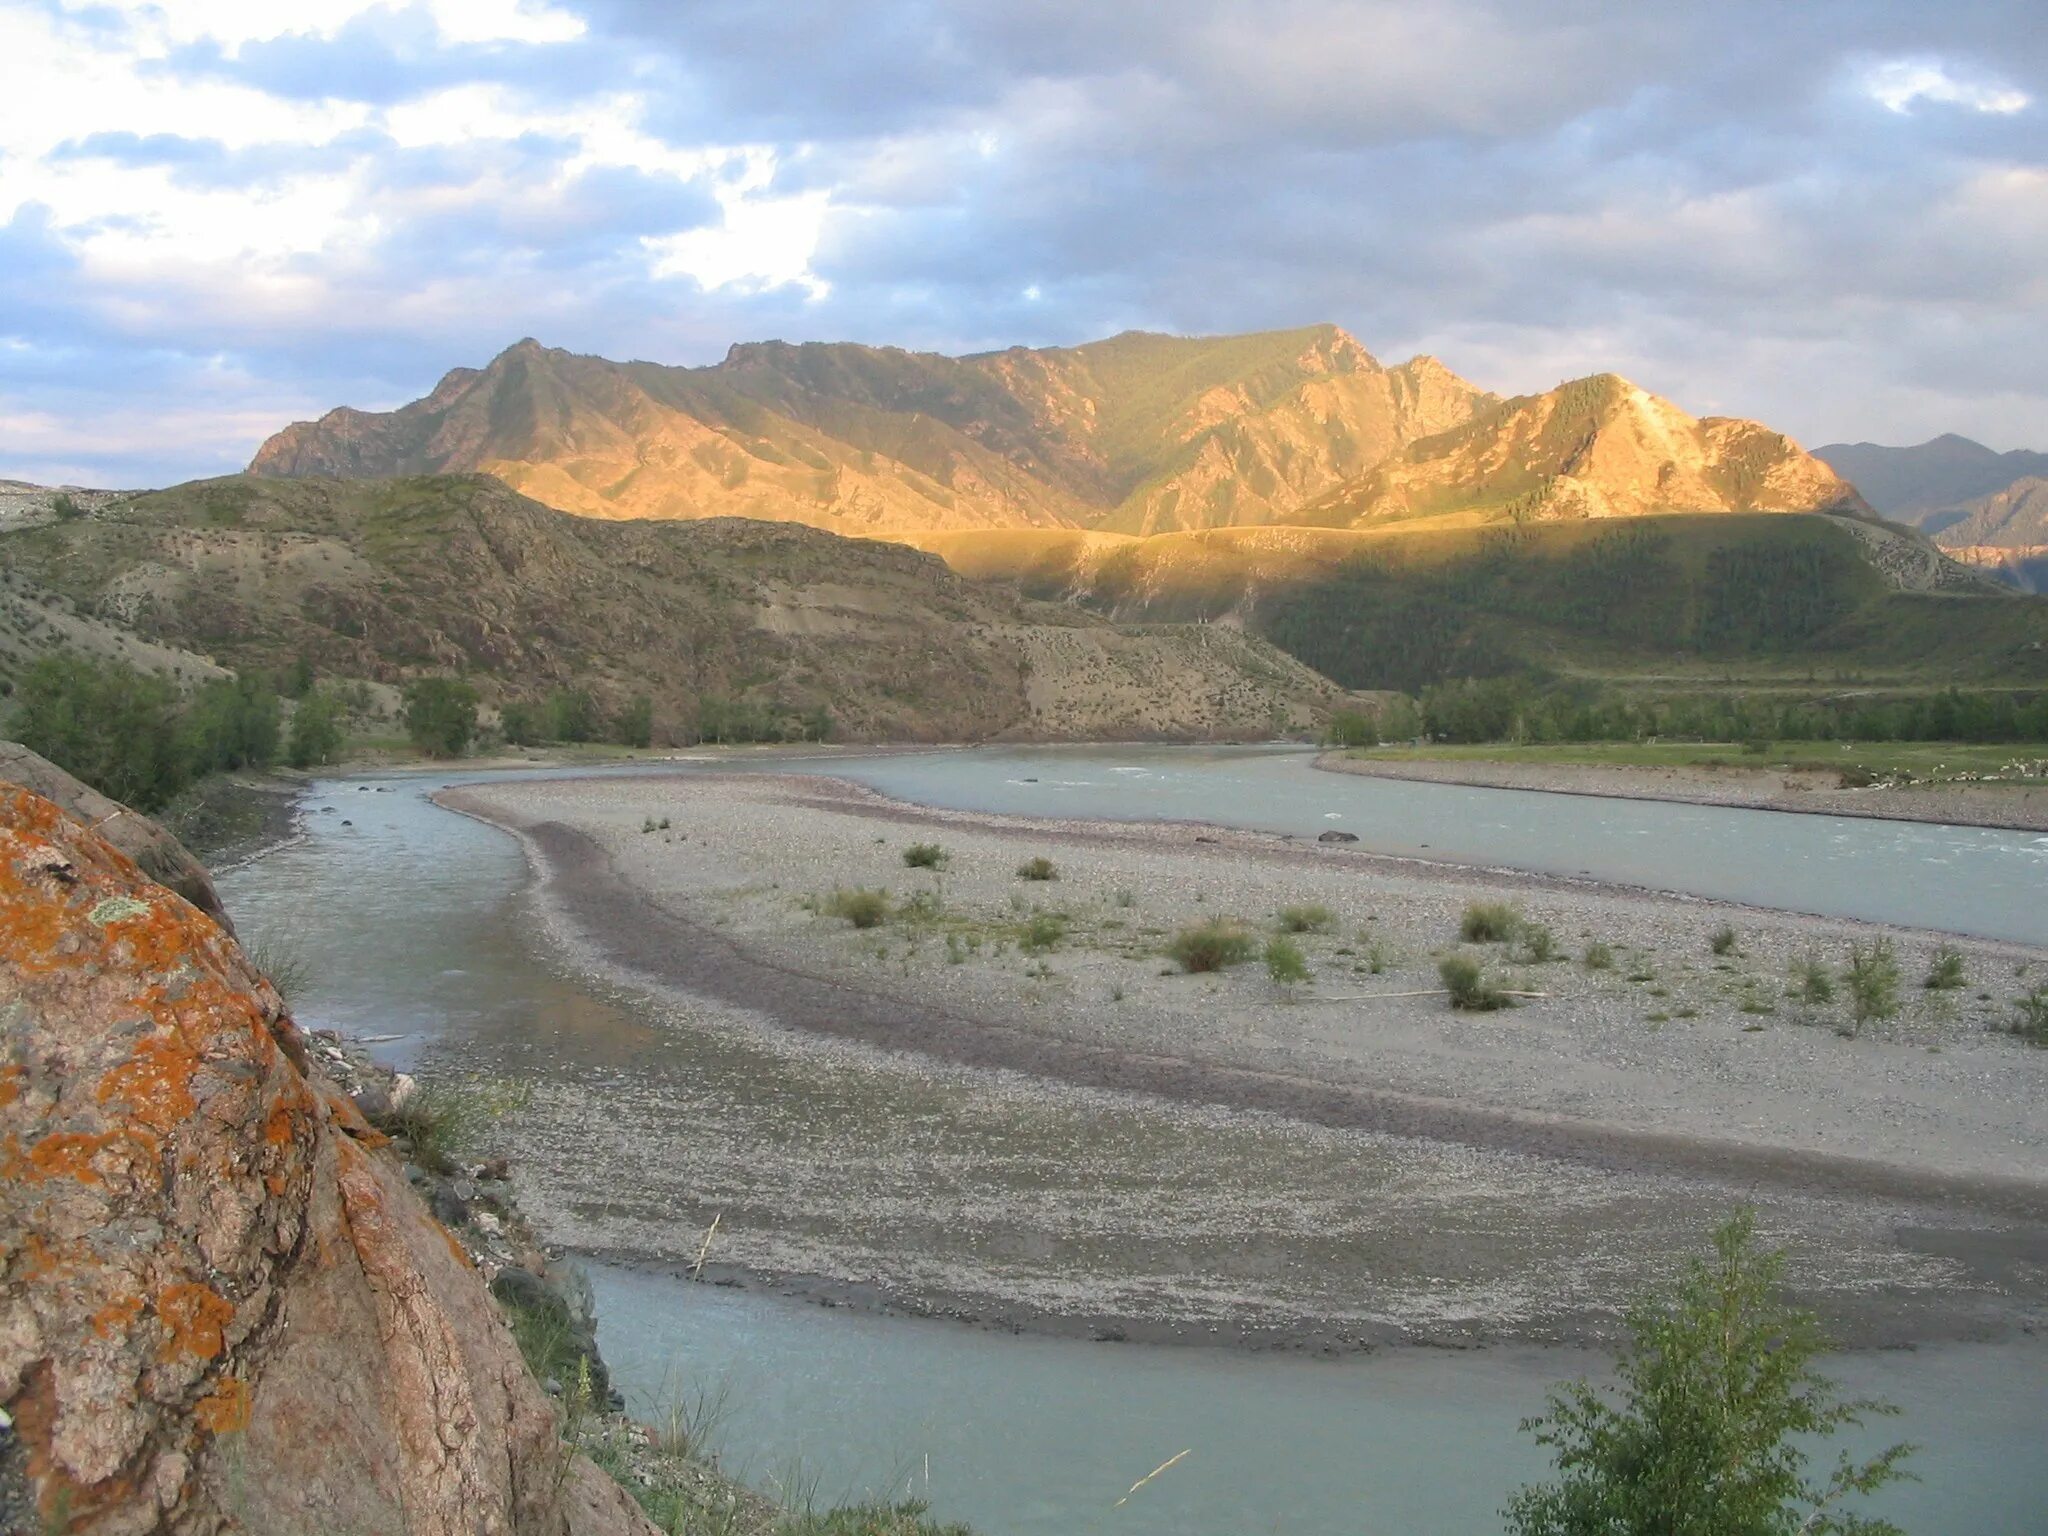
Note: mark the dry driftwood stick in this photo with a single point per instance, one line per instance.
(697, 1269)
(1141, 1482)
(1368, 997)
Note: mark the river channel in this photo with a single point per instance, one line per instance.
(424, 937)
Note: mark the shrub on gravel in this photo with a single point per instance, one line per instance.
(1210, 946)
(926, 856)
(1535, 944)
(1598, 957)
(1873, 977)
(2030, 1017)
(1489, 922)
(1311, 917)
(1723, 940)
(1042, 931)
(1945, 973)
(1812, 982)
(1040, 868)
(1285, 962)
(1466, 982)
(862, 908)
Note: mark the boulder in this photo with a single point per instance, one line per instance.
(221, 1307)
(158, 854)
(1336, 837)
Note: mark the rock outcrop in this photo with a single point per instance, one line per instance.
(1591, 448)
(221, 1307)
(159, 855)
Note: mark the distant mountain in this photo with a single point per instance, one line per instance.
(1598, 447)
(390, 579)
(2005, 534)
(1140, 432)
(1925, 484)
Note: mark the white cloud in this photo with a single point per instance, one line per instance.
(231, 23)
(763, 241)
(160, 247)
(1900, 84)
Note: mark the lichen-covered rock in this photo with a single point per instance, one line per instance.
(161, 856)
(221, 1308)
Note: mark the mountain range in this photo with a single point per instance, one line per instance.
(1139, 434)
(1928, 486)
(1148, 535)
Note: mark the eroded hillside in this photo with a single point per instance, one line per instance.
(385, 580)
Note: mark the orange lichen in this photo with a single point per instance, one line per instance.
(76, 1154)
(226, 1408)
(154, 1082)
(116, 1315)
(194, 1318)
(455, 1247)
(31, 928)
(12, 1079)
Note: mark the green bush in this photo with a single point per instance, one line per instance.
(633, 726)
(316, 729)
(112, 726)
(2030, 1017)
(1489, 922)
(1598, 957)
(1813, 982)
(1042, 931)
(1352, 728)
(1945, 973)
(1210, 946)
(1466, 982)
(571, 715)
(231, 723)
(440, 715)
(1285, 962)
(1535, 944)
(926, 856)
(1873, 978)
(1722, 941)
(862, 908)
(1310, 917)
(1710, 1424)
(1040, 868)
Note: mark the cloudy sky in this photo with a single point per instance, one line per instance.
(217, 216)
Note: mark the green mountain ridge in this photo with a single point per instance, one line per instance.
(1737, 601)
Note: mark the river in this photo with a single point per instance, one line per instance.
(421, 925)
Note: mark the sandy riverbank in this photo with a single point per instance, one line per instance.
(934, 1116)
(2022, 807)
